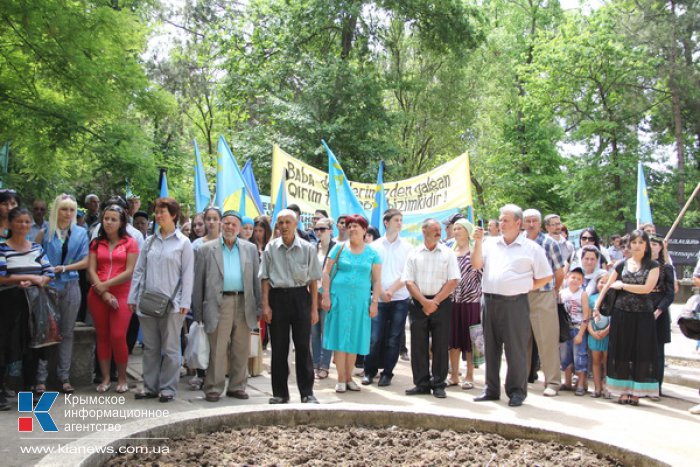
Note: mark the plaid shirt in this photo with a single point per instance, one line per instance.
(553, 253)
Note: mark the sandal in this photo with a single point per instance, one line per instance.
(564, 387)
(67, 388)
(452, 382)
(102, 387)
(633, 401)
(122, 388)
(322, 373)
(623, 400)
(467, 385)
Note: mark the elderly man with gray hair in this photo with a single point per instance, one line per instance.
(289, 273)
(513, 266)
(543, 307)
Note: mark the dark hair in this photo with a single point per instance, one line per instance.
(639, 233)
(323, 212)
(594, 234)
(123, 220)
(141, 214)
(590, 248)
(614, 237)
(565, 230)
(389, 213)
(193, 235)
(265, 225)
(171, 205)
(662, 253)
(342, 217)
(373, 232)
(118, 200)
(356, 219)
(7, 194)
(295, 208)
(14, 214)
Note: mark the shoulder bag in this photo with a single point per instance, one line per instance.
(152, 303)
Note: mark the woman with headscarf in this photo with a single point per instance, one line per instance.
(247, 227)
(466, 304)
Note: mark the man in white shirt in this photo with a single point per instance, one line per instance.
(513, 266)
(390, 322)
(431, 275)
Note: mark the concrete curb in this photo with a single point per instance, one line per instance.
(153, 432)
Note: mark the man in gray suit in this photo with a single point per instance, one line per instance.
(226, 298)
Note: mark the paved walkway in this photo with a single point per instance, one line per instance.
(664, 430)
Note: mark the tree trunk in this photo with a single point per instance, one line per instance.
(676, 109)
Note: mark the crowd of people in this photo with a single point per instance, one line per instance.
(569, 312)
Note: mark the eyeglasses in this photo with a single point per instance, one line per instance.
(65, 196)
(320, 229)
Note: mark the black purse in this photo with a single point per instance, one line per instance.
(564, 323)
(152, 303)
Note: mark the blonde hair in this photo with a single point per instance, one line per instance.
(61, 201)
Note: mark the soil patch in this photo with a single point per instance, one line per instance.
(361, 446)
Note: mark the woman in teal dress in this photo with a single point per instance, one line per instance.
(351, 290)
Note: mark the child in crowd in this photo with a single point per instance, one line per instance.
(574, 352)
(598, 329)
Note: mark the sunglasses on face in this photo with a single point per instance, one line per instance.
(320, 229)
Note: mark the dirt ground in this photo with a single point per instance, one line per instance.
(361, 446)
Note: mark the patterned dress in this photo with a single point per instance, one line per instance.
(632, 358)
(466, 304)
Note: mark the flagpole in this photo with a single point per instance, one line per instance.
(682, 213)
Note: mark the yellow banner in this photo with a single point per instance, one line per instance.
(445, 187)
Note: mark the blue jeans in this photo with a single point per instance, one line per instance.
(574, 354)
(387, 327)
(320, 357)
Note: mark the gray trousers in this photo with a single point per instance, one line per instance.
(161, 353)
(229, 346)
(506, 322)
(68, 306)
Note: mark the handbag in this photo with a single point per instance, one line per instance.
(43, 318)
(564, 323)
(197, 350)
(476, 335)
(152, 303)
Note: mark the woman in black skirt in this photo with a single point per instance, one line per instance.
(632, 354)
(662, 297)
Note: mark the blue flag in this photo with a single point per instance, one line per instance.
(202, 195)
(163, 184)
(343, 199)
(281, 201)
(380, 203)
(252, 184)
(231, 189)
(643, 208)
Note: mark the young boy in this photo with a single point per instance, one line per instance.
(574, 352)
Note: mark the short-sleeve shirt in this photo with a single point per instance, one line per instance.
(510, 269)
(31, 262)
(394, 256)
(554, 256)
(112, 263)
(289, 266)
(431, 269)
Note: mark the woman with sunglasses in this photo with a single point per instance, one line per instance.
(590, 237)
(321, 357)
(66, 245)
(111, 264)
(23, 264)
(9, 199)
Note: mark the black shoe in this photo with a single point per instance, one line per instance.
(165, 398)
(384, 380)
(278, 400)
(415, 391)
(516, 400)
(367, 380)
(439, 393)
(486, 397)
(145, 395)
(308, 400)
(404, 356)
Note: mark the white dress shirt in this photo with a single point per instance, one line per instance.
(510, 269)
(394, 256)
(430, 270)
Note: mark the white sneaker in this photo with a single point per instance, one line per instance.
(550, 392)
(341, 387)
(352, 386)
(695, 410)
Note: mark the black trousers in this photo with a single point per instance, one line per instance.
(424, 327)
(291, 308)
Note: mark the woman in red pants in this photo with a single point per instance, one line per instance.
(111, 263)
